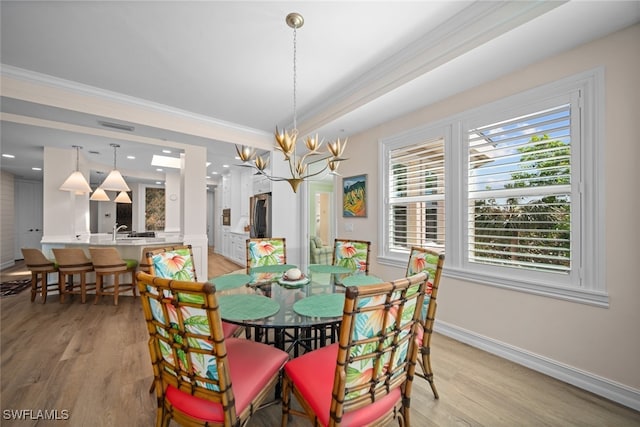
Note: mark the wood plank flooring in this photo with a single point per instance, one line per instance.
(92, 361)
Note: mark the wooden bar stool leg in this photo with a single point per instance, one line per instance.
(45, 285)
(98, 288)
(34, 286)
(116, 288)
(83, 288)
(61, 286)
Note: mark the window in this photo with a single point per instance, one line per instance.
(522, 192)
(416, 199)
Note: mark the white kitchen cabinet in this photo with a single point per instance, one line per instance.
(238, 247)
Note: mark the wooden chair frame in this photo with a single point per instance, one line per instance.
(392, 339)
(167, 306)
(428, 317)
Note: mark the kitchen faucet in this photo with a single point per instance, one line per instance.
(117, 228)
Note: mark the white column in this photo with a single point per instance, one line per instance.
(285, 210)
(173, 202)
(194, 206)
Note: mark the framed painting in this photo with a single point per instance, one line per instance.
(354, 196)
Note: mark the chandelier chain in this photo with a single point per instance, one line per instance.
(295, 125)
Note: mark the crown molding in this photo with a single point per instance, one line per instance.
(473, 26)
(51, 91)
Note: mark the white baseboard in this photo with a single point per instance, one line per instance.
(603, 387)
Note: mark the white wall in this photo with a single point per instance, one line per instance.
(7, 220)
(595, 348)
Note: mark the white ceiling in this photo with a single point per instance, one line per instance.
(215, 73)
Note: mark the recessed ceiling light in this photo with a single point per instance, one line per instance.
(159, 169)
(9, 156)
(166, 151)
(208, 164)
(159, 182)
(225, 166)
(36, 169)
(208, 177)
(215, 173)
(131, 157)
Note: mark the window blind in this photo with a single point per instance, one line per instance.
(416, 195)
(519, 191)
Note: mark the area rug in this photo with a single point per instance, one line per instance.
(14, 287)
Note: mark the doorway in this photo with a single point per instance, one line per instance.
(322, 210)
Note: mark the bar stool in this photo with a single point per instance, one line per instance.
(108, 262)
(40, 267)
(72, 261)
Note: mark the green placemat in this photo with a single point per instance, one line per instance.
(323, 305)
(276, 268)
(230, 281)
(361, 280)
(247, 307)
(323, 268)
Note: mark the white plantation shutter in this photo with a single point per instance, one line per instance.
(416, 211)
(524, 191)
(519, 191)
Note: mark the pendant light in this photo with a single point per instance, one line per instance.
(123, 197)
(76, 182)
(100, 195)
(114, 181)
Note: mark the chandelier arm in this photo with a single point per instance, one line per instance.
(316, 173)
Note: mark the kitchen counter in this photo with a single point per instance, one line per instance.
(129, 247)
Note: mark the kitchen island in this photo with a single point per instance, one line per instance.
(129, 247)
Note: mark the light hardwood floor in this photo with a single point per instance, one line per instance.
(92, 361)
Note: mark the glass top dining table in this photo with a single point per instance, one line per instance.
(292, 315)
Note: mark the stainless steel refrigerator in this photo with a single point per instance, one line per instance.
(260, 215)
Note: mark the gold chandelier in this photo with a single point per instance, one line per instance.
(287, 140)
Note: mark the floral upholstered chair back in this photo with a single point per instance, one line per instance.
(187, 344)
(172, 262)
(264, 252)
(431, 261)
(353, 254)
(377, 352)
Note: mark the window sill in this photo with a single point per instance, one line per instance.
(582, 296)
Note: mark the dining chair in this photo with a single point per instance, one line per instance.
(263, 252)
(431, 261)
(352, 254)
(201, 376)
(108, 262)
(176, 262)
(40, 267)
(72, 261)
(365, 378)
(172, 262)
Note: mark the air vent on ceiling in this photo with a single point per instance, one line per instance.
(118, 126)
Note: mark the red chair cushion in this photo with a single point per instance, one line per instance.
(251, 366)
(313, 375)
(229, 329)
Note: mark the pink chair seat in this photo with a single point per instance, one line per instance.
(251, 366)
(313, 375)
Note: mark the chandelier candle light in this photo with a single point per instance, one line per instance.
(287, 140)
